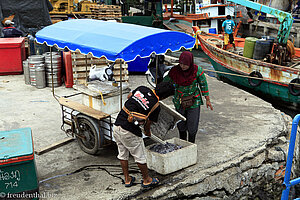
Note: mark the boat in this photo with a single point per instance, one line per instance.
(275, 84)
(276, 80)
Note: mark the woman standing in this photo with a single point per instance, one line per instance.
(187, 78)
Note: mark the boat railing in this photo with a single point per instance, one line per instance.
(287, 183)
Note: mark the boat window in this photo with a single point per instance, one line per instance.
(204, 23)
(221, 10)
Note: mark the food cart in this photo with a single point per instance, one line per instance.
(91, 124)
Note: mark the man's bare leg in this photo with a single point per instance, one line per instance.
(144, 170)
(124, 165)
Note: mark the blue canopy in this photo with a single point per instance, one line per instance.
(112, 39)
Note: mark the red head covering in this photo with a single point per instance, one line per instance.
(184, 78)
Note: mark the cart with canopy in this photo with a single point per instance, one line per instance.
(92, 127)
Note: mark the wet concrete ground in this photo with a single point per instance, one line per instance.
(239, 124)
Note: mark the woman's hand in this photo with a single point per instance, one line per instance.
(208, 103)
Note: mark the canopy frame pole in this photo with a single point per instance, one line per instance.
(51, 63)
(156, 68)
(121, 88)
(86, 77)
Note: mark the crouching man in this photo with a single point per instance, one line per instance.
(10, 31)
(141, 108)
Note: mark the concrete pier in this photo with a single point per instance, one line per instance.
(241, 148)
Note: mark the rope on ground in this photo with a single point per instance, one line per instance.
(95, 167)
(246, 76)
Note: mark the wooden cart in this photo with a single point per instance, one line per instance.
(90, 125)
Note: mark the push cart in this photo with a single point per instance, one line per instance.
(115, 41)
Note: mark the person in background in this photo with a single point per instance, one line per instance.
(187, 78)
(228, 27)
(141, 108)
(10, 31)
(297, 7)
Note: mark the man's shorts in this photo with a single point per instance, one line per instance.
(129, 143)
(228, 38)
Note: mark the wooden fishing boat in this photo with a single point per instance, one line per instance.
(281, 84)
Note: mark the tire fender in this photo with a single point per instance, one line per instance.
(294, 89)
(255, 74)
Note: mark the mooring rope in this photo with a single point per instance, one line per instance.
(251, 77)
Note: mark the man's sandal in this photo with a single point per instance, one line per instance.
(131, 182)
(154, 182)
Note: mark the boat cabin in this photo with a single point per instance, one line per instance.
(216, 12)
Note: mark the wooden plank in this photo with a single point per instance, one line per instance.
(105, 7)
(89, 62)
(81, 56)
(168, 27)
(124, 78)
(91, 58)
(117, 66)
(81, 69)
(80, 75)
(106, 12)
(185, 28)
(117, 72)
(54, 146)
(80, 81)
(118, 61)
(97, 114)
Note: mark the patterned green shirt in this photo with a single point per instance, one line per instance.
(182, 91)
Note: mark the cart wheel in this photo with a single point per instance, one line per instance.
(88, 134)
(151, 80)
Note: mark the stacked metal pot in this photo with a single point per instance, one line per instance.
(54, 73)
(38, 72)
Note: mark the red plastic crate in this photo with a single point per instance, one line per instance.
(12, 53)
